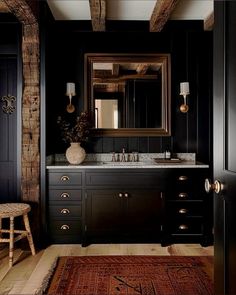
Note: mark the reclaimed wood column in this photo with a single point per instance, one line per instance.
(30, 153)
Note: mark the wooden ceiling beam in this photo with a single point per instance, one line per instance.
(26, 11)
(98, 14)
(3, 7)
(161, 14)
(209, 22)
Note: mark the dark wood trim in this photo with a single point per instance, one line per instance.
(165, 129)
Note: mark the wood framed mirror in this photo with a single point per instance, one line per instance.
(128, 94)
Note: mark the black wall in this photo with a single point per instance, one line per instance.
(191, 60)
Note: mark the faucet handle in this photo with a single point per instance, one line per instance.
(132, 157)
(113, 158)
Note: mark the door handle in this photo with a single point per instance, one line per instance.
(216, 187)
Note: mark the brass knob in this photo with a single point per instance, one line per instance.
(65, 227)
(65, 211)
(65, 178)
(183, 177)
(184, 108)
(183, 227)
(126, 195)
(120, 195)
(215, 187)
(183, 195)
(65, 195)
(183, 211)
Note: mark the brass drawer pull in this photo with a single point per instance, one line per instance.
(65, 211)
(65, 227)
(126, 195)
(65, 178)
(183, 195)
(120, 195)
(183, 177)
(183, 227)
(183, 211)
(65, 195)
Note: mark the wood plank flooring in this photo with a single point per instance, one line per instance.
(30, 272)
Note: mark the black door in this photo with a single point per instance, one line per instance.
(8, 129)
(225, 146)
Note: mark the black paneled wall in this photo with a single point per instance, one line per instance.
(191, 60)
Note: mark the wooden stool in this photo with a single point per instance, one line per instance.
(12, 210)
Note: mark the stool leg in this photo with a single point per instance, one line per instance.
(11, 242)
(0, 227)
(29, 235)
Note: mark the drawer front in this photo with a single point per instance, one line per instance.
(65, 227)
(124, 178)
(64, 211)
(186, 227)
(65, 178)
(182, 209)
(65, 195)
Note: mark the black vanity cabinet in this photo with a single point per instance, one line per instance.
(65, 205)
(124, 205)
(188, 210)
(162, 205)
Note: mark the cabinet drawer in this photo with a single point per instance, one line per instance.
(64, 211)
(182, 209)
(65, 195)
(123, 178)
(186, 226)
(65, 227)
(65, 178)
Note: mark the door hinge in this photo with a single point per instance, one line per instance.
(161, 227)
(85, 228)
(161, 195)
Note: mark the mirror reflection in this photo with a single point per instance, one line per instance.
(129, 93)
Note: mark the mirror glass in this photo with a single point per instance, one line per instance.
(128, 94)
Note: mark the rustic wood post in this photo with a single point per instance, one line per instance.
(26, 12)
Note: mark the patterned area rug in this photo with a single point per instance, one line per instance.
(132, 275)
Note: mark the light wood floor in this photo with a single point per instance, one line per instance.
(29, 272)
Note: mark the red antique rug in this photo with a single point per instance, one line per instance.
(132, 275)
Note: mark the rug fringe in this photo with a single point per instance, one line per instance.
(44, 285)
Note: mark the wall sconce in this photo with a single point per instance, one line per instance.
(70, 91)
(184, 90)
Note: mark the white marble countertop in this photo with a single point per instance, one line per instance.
(146, 161)
(126, 165)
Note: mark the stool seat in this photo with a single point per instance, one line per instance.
(12, 210)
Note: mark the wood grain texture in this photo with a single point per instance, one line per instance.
(161, 14)
(98, 14)
(26, 12)
(209, 22)
(3, 7)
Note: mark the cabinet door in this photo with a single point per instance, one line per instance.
(104, 213)
(143, 213)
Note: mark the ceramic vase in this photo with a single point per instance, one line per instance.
(75, 154)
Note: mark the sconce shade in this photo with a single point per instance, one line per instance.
(184, 88)
(70, 89)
